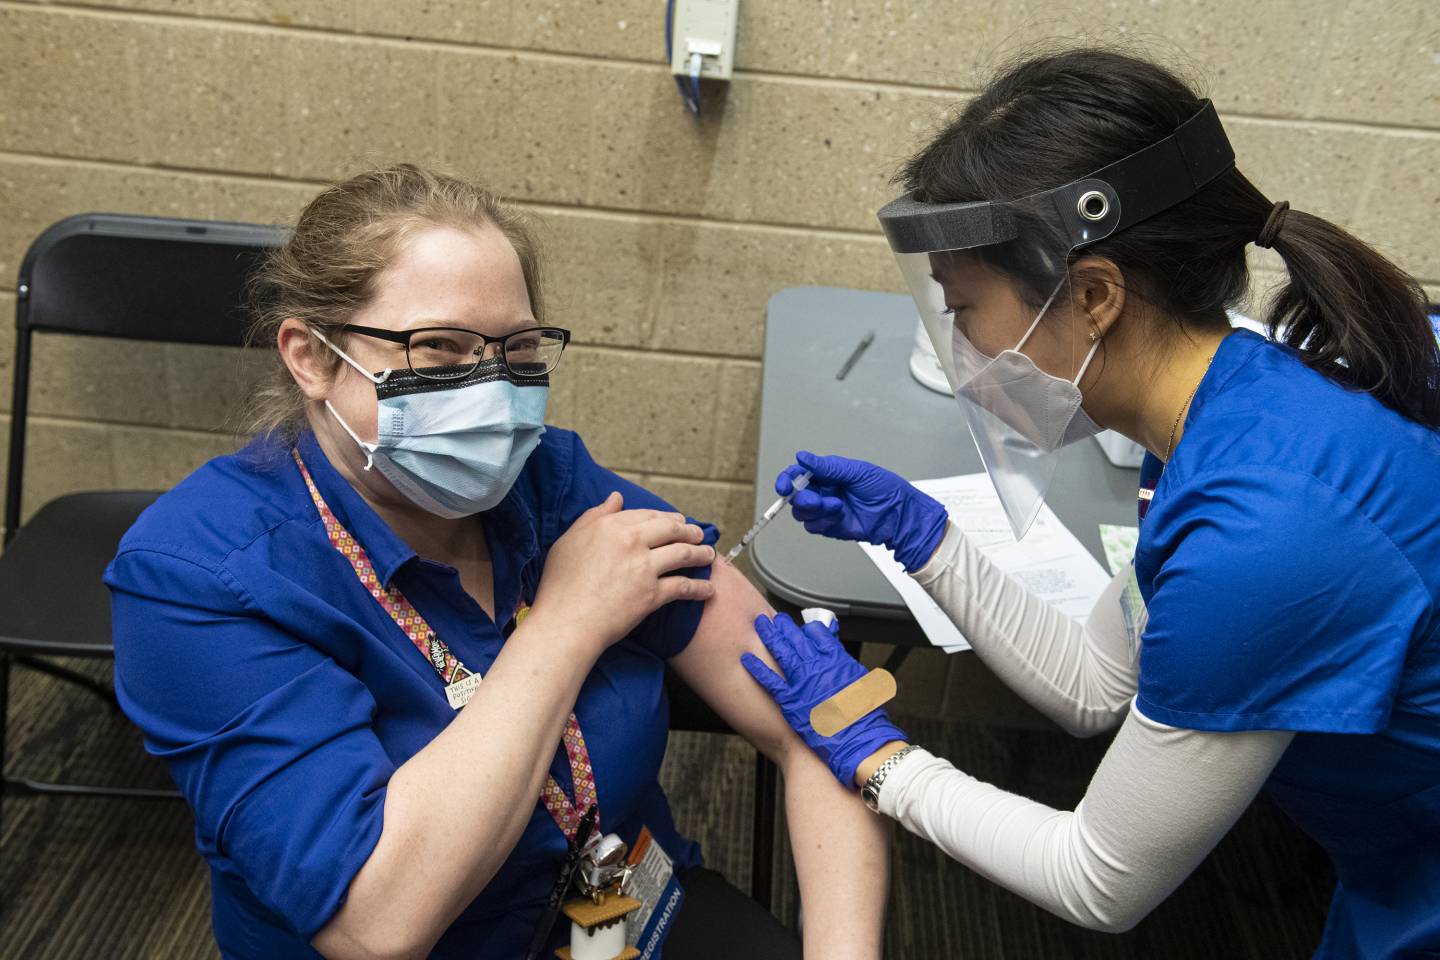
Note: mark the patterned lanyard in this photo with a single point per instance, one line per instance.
(453, 673)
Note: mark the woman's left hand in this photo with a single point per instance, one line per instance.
(816, 668)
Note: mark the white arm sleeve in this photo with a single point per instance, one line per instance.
(1159, 802)
(1081, 677)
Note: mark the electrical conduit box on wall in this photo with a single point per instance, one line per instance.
(704, 38)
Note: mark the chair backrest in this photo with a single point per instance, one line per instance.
(141, 278)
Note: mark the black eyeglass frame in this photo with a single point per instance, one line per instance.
(402, 337)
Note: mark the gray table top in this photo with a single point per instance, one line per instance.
(879, 412)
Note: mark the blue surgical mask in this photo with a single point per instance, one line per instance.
(453, 447)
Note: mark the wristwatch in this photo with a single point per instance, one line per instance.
(870, 793)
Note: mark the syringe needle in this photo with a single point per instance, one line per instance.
(799, 483)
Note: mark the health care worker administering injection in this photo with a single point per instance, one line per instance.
(1073, 240)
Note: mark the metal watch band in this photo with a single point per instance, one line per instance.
(870, 793)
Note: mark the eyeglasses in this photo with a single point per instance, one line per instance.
(450, 353)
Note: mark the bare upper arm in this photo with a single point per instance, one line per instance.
(710, 664)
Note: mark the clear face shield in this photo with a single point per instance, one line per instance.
(994, 287)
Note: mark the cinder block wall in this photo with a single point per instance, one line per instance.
(666, 235)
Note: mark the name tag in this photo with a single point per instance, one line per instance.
(652, 882)
(460, 692)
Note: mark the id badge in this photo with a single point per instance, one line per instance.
(460, 692)
(652, 882)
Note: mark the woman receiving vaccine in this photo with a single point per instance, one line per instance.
(408, 647)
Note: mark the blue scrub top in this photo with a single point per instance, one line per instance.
(1290, 560)
(283, 697)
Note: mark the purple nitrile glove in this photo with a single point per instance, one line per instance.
(854, 500)
(816, 668)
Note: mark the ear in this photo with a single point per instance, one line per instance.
(307, 359)
(1098, 291)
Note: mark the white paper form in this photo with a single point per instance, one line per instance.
(1050, 562)
(1119, 543)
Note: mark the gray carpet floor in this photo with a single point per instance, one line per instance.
(121, 879)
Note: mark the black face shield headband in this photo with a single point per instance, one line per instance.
(1092, 208)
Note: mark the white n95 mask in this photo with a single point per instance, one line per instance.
(1042, 410)
(1019, 416)
(452, 447)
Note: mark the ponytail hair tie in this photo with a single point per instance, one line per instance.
(1273, 223)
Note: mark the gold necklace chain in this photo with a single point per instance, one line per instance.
(1170, 445)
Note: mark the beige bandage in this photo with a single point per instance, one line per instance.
(873, 690)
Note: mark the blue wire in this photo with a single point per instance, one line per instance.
(692, 96)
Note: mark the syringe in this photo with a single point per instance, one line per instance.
(771, 512)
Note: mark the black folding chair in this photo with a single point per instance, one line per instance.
(101, 275)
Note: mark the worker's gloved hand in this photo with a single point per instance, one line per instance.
(854, 500)
(816, 668)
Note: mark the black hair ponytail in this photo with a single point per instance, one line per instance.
(1051, 119)
(1356, 317)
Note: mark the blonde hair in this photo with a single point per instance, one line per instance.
(344, 238)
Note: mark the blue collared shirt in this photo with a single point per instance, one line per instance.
(283, 697)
